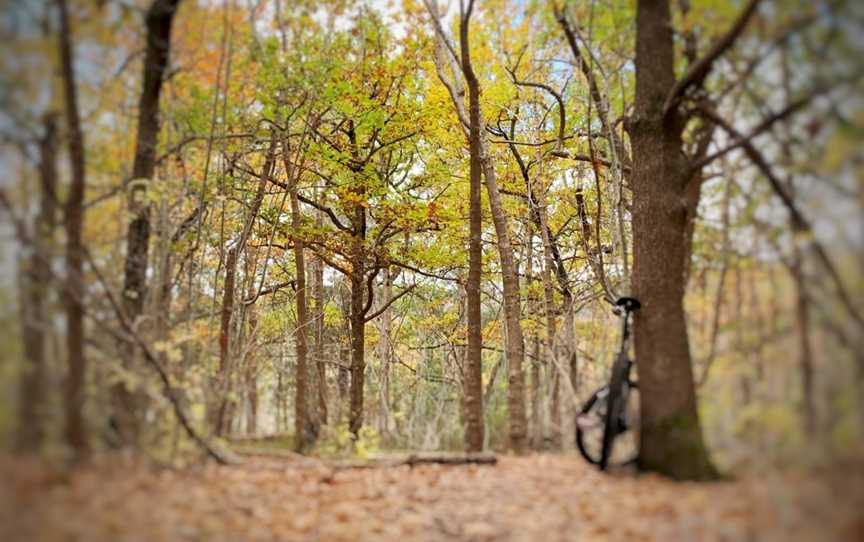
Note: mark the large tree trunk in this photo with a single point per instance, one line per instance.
(671, 437)
(36, 281)
(159, 20)
(473, 370)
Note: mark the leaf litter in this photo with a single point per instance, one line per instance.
(543, 498)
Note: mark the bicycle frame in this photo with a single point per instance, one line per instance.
(619, 384)
(612, 398)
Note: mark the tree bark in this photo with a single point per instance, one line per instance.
(75, 428)
(671, 436)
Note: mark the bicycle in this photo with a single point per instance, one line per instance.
(611, 413)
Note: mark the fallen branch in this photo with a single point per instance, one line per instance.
(437, 458)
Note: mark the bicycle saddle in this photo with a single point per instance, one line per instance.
(629, 304)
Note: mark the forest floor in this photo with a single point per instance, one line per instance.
(535, 498)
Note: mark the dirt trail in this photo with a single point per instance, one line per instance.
(538, 498)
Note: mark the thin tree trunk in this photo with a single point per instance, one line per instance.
(384, 351)
(805, 346)
(570, 344)
(536, 399)
(802, 297)
(515, 344)
(358, 341)
(671, 435)
(320, 364)
(344, 373)
(75, 429)
(304, 430)
(159, 21)
(225, 365)
(473, 377)
(250, 368)
(37, 281)
(552, 262)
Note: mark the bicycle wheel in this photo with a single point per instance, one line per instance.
(591, 424)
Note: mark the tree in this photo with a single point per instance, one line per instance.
(36, 281)
(75, 429)
(671, 436)
(159, 21)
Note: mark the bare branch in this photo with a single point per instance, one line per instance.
(386, 306)
(696, 73)
(762, 127)
(800, 224)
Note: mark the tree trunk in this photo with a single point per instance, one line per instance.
(221, 418)
(159, 20)
(318, 353)
(384, 350)
(250, 368)
(802, 297)
(805, 346)
(37, 280)
(223, 385)
(304, 430)
(554, 437)
(515, 344)
(344, 374)
(75, 429)
(670, 437)
(570, 345)
(473, 377)
(358, 321)
(358, 352)
(536, 400)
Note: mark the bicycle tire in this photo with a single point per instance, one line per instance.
(580, 432)
(582, 435)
